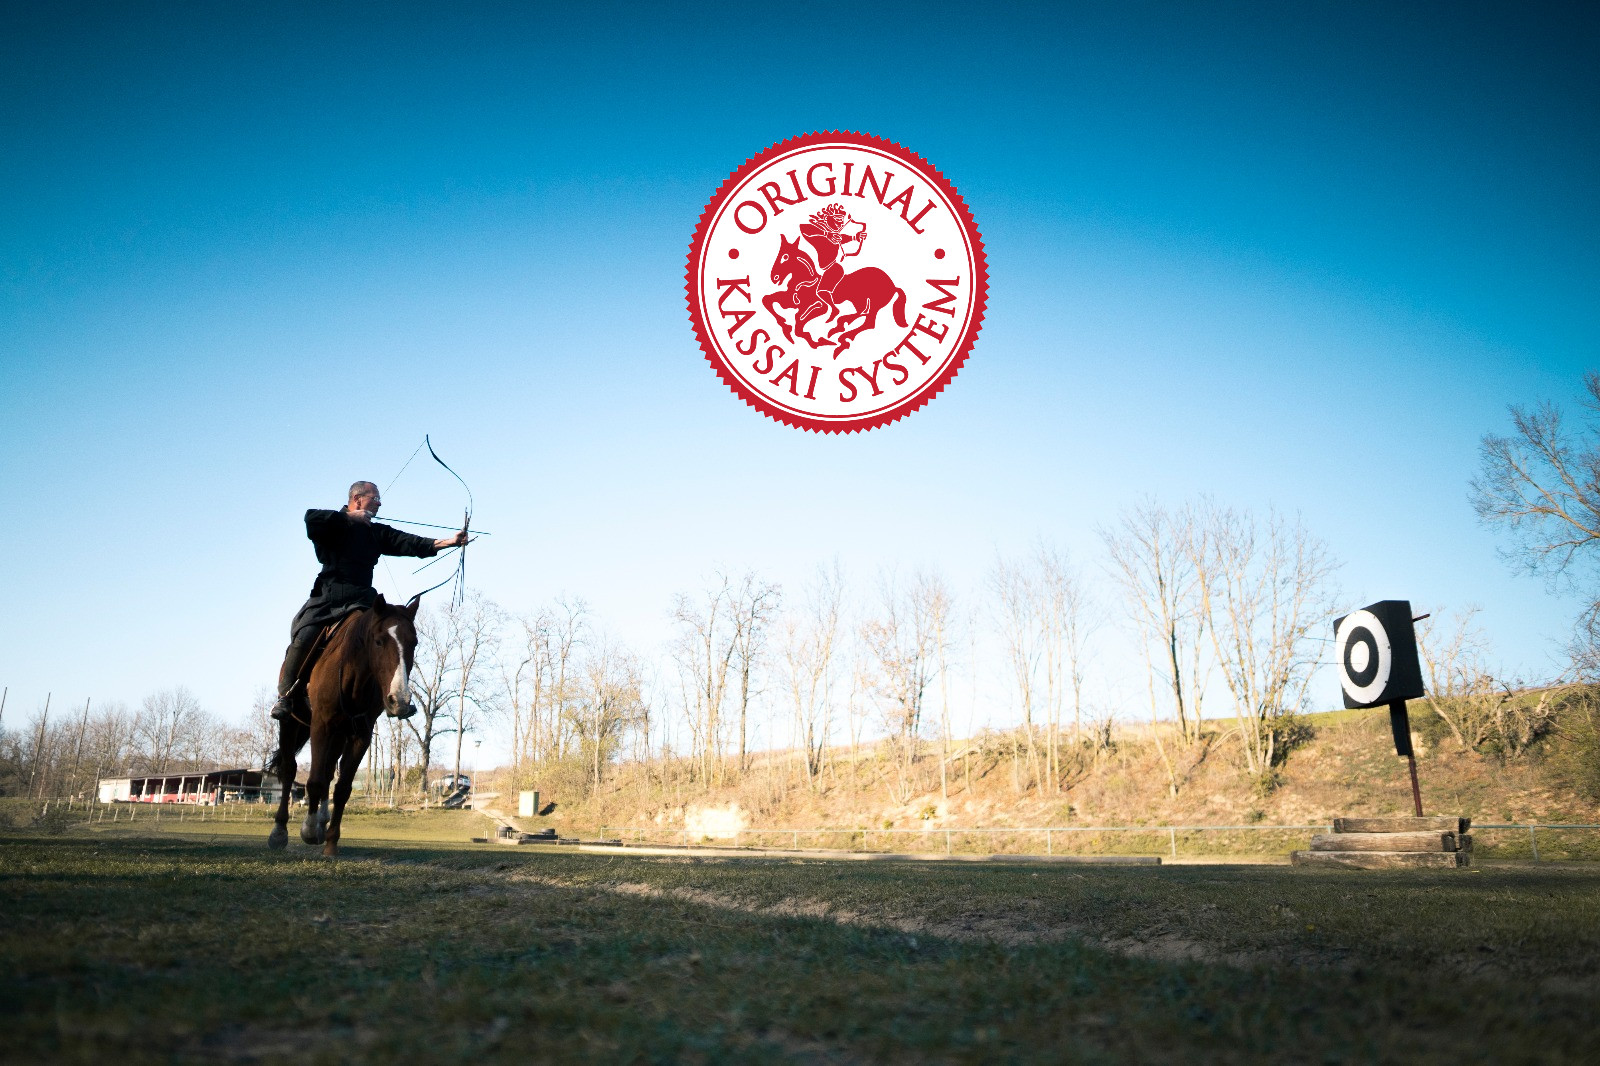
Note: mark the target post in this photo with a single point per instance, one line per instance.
(1378, 664)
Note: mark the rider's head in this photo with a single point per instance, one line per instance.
(364, 501)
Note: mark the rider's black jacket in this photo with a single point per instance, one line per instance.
(348, 550)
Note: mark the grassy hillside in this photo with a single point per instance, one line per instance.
(1342, 763)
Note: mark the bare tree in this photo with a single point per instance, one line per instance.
(1017, 608)
(704, 651)
(904, 641)
(473, 630)
(1482, 711)
(1152, 562)
(754, 604)
(432, 688)
(1542, 484)
(538, 680)
(1045, 630)
(810, 657)
(170, 729)
(609, 704)
(1263, 586)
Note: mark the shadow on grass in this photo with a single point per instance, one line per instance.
(169, 948)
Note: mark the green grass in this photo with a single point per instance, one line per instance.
(209, 948)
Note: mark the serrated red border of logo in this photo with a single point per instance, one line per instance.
(980, 283)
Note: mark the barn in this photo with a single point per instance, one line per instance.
(209, 787)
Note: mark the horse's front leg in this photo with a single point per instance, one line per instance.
(355, 749)
(807, 315)
(317, 779)
(288, 746)
(777, 298)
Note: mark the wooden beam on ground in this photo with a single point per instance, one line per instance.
(1440, 822)
(1381, 860)
(1386, 842)
(864, 856)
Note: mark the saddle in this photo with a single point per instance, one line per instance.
(302, 679)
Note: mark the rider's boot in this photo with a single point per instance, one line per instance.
(294, 657)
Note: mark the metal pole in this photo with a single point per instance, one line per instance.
(1173, 833)
(1416, 792)
(1533, 843)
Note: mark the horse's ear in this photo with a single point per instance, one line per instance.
(412, 605)
(380, 602)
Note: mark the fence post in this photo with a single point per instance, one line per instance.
(1048, 850)
(1172, 831)
(947, 841)
(1533, 843)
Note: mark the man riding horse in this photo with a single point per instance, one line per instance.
(348, 543)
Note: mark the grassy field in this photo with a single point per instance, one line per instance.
(195, 945)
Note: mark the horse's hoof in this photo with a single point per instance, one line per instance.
(278, 839)
(310, 835)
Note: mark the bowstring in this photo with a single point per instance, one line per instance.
(459, 596)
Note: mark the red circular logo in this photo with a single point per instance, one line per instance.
(836, 282)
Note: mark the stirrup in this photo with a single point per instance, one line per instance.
(285, 705)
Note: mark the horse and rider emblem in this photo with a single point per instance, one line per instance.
(874, 294)
(817, 283)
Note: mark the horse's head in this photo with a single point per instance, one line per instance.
(790, 258)
(391, 647)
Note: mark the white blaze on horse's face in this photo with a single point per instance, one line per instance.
(400, 686)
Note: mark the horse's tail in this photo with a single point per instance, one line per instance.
(899, 308)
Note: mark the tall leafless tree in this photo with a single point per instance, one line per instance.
(609, 704)
(170, 729)
(1151, 561)
(810, 642)
(473, 630)
(755, 602)
(1541, 483)
(1263, 587)
(704, 651)
(903, 639)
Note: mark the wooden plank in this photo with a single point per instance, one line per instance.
(1381, 860)
(1443, 823)
(1384, 842)
(868, 856)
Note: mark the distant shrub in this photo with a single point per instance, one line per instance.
(53, 818)
(1291, 731)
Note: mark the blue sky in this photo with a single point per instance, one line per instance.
(1292, 255)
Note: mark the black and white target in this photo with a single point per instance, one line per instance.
(1376, 652)
(1365, 657)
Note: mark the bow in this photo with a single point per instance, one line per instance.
(460, 574)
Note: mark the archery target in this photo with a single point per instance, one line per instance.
(1365, 656)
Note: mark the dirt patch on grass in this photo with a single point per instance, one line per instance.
(1011, 930)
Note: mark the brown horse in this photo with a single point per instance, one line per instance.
(364, 671)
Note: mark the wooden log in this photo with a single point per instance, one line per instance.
(1443, 823)
(1381, 860)
(1384, 842)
